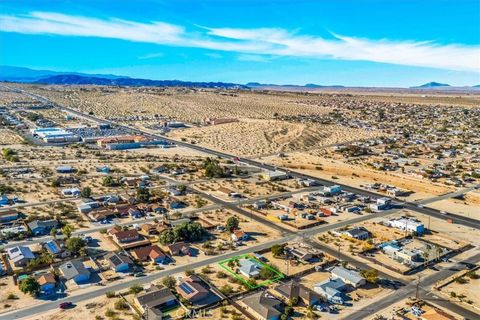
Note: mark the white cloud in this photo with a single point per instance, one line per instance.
(251, 43)
(151, 56)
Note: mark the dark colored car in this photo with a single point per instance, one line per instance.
(65, 305)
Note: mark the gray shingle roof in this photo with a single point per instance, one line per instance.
(73, 268)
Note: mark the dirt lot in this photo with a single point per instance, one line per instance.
(7, 136)
(88, 310)
(11, 297)
(469, 207)
(356, 175)
(264, 137)
(467, 291)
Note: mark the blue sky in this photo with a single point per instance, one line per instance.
(355, 43)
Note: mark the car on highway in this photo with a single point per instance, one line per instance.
(420, 205)
(443, 212)
(65, 305)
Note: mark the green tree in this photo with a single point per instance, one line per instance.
(53, 232)
(268, 271)
(169, 282)
(135, 289)
(67, 230)
(232, 223)
(143, 195)
(278, 250)
(86, 192)
(75, 245)
(30, 285)
(370, 275)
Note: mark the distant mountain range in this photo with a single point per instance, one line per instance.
(21, 74)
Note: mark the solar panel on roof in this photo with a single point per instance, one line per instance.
(186, 288)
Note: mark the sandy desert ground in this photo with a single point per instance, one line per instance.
(253, 137)
(9, 137)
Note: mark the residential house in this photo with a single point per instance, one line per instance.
(359, 233)
(239, 235)
(293, 289)
(71, 192)
(179, 249)
(126, 236)
(408, 224)
(300, 253)
(47, 283)
(20, 255)
(150, 253)
(4, 201)
(408, 256)
(56, 248)
(263, 306)
(119, 262)
(42, 227)
(9, 216)
(75, 270)
(331, 290)
(154, 300)
(192, 288)
(249, 268)
(348, 276)
(65, 169)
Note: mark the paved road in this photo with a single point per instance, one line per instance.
(409, 291)
(447, 195)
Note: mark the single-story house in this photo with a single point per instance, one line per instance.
(293, 289)
(263, 306)
(192, 289)
(348, 276)
(119, 262)
(179, 249)
(126, 236)
(150, 253)
(20, 255)
(249, 268)
(331, 290)
(71, 192)
(239, 235)
(47, 283)
(42, 227)
(56, 248)
(154, 300)
(359, 233)
(75, 270)
(65, 169)
(9, 216)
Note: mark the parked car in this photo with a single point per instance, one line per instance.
(65, 305)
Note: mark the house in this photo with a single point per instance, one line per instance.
(179, 249)
(325, 212)
(331, 290)
(300, 253)
(408, 256)
(178, 205)
(150, 253)
(56, 248)
(126, 236)
(71, 192)
(101, 215)
(149, 229)
(239, 235)
(192, 288)
(293, 289)
(47, 283)
(263, 306)
(65, 169)
(260, 204)
(348, 276)
(274, 175)
(9, 216)
(174, 192)
(249, 268)
(74, 270)
(407, 224)
(154, 300)
(20, 255)
(359, 233)
(119, 262)
(42, 227)
(4, 201)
